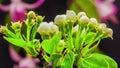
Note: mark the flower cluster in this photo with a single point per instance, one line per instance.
(47, 28)
(72, 38)
(107, 10)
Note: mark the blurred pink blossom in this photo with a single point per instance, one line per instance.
(107, 10)
(18, 8)
(27, 62)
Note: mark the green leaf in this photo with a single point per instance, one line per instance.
(51, 45)
(32, 47)
(86, 6)
(55, 58)
(90, 37)
(16, 42)
(11, 34)
(80, 39)
(34, 31)
(97, 61)
(39, 19)
(68, 60)
(90, 48)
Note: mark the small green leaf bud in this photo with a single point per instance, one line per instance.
(16, 25)
(31, 14)
(39, 19)
(62, 43)
(2, 29)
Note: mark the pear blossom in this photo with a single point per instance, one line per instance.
(81, 14)
(84, 19)
(93, 21)
(18, 8)
(107, 10)
(44, 28)
(47, 28)
(53, 27)
(71, 16)
(59, 19)
(109, 32)
(27, 62)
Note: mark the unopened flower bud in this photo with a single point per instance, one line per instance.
(2, 29)
(84, 20)
(62, 43)
(44, 28)
(53, 27)
(71, 16)
(109, 32)
(102, 27)
(16, 25)
(59, 19)
(31, 14)
(93, 21)
(39, 19)
(80, 14)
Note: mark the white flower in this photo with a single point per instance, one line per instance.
(84, 20)
(102, 27)
(80, 14)
(71, 16)
(109, 32)
(59, 19)
(53, 27)
(44, 28)
(93, 21)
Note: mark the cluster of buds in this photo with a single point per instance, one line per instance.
(70, 37)
(83, 20)
(16, 25)
(69, 18)
(47, 28)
